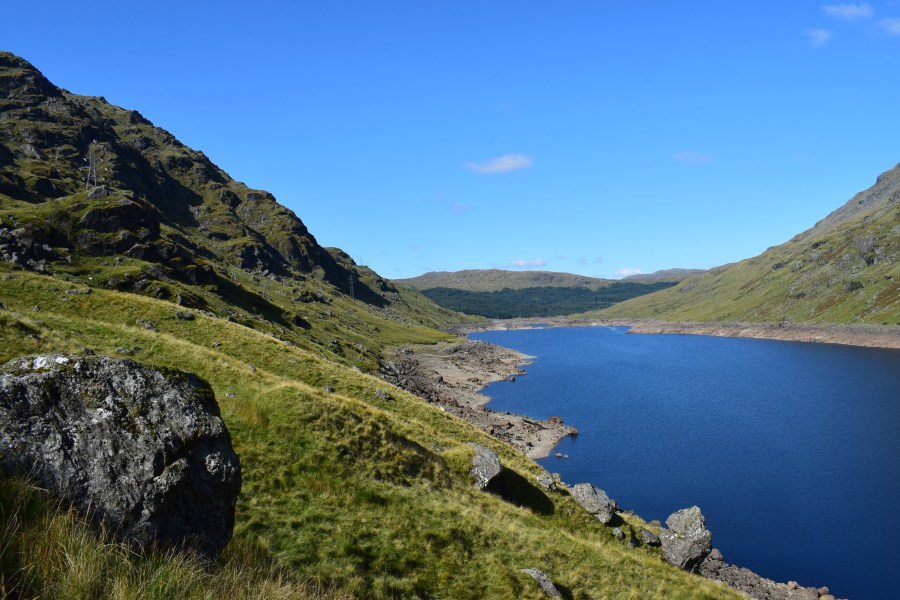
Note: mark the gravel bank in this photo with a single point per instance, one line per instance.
(452, 376)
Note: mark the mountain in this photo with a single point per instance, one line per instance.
(842, 270)
(351, 487)
(494, 280)
(93, 192)
(498, 294)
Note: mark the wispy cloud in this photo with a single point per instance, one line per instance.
(849, 12)
(627, 272)
(692, 158)
(532, 263)
(817, 37)
(501, 164)
(892, 26)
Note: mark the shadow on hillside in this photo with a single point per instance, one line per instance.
(517, 490)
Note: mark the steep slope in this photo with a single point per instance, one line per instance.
(843, 270)
(92, 192)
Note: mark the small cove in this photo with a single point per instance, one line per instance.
(790, 449)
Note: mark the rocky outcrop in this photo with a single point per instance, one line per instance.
(451, 377)
(145, 453)
(746, 581)
(687, 541)
(546, 585)
(485, 466)
(546, 482)
(595, 501)
(649, 538)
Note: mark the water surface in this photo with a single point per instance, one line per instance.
(790, 449)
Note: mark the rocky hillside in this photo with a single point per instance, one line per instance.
(95, 193)
(845, 269)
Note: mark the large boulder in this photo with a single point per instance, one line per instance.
(687, 541)
(145, 453)
(485, 466)
(595, 501)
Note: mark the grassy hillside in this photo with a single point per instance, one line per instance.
(664, 275)
(343, 490)
(843, 270)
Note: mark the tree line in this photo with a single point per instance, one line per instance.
(539, 301)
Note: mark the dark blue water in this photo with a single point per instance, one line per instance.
(791, 450)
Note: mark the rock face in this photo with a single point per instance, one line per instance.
(595, 501)
(546, 585)
(545, 480)
(485, 466)
(754, 586)
(144, 453)
(687, 541)
(649, 538)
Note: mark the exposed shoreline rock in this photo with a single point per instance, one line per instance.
(452, 377)
(747, 582)
(703, 562)
(147, 454)
(869, 336)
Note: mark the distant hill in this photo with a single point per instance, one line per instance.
(539, 301)
(499, 294)
(664, 275)
(843, 270)
(494, 280)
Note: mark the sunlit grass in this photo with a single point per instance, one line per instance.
(344, 492)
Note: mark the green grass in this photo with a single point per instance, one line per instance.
(823, 278)
(343, 491)
(49, 551)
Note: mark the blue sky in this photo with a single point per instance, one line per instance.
(591, 137)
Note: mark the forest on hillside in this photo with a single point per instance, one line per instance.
(539, 301)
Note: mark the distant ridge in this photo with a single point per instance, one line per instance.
(494, 280)
(499, 294)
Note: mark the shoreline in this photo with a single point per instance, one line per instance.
(453, 375)
(867, 336)
(714, 567)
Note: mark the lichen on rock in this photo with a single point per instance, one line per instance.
(145, 453)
